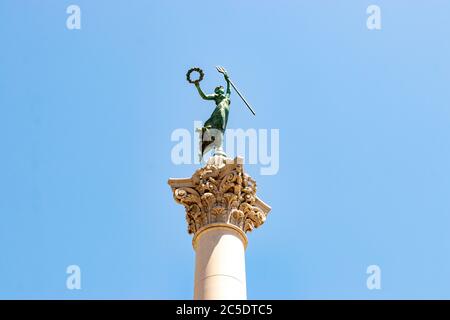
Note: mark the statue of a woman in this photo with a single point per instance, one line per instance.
(211, 134)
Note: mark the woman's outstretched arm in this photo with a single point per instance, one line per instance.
(202, 94)
(228, 85)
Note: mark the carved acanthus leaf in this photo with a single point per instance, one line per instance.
(220, 192)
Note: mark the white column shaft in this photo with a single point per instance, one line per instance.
(220, 263)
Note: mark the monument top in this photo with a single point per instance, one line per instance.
(211, 134)
(220, 192)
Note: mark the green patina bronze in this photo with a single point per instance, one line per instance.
(219, 118)
(211, 134)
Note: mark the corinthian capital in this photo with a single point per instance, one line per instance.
(220, 192)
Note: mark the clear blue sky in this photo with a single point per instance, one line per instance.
(85, 123)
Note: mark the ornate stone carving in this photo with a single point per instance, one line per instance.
(220, 192)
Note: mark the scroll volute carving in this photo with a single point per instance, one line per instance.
(220, 193)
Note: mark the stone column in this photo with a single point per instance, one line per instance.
(221, 206)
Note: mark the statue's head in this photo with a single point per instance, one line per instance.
(219, 90)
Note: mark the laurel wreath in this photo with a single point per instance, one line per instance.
(188, 75)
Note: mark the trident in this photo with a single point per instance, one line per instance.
(223, 71)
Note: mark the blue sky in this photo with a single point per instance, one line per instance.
(86, 118)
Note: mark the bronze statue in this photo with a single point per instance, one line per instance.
(211, 134)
